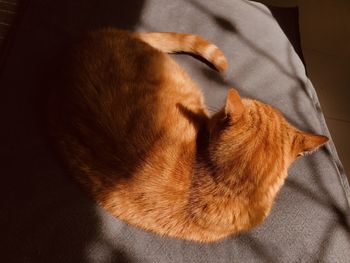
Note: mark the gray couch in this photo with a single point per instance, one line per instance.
(44, 215)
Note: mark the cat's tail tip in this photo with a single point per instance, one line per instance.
(210, 52)
(170, 42)
(220, 62)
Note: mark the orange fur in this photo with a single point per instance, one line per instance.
(132, 128)
(169, 42)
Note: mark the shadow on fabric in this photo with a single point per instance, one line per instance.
(44, 215)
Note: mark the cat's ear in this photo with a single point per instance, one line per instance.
(234, 106)
(310, 143)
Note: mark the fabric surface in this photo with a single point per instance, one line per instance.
(45, 217)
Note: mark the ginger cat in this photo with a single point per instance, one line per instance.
(132, 128)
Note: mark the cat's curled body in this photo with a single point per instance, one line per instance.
(132, 128)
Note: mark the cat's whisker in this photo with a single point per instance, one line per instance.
(213, 109)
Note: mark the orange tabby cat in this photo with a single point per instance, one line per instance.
(133, 129)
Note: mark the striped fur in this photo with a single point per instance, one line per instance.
(132, 128)
(170, 42)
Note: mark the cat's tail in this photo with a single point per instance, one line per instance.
(169, 42)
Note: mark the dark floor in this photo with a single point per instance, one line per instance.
(8, 11)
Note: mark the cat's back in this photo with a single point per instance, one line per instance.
(115, 64)
(123, 104)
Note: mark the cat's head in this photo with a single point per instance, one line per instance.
(253, 137)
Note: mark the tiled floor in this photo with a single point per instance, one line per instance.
(330, 75)
(325, 40)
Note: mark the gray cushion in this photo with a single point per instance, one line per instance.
(46, 218)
